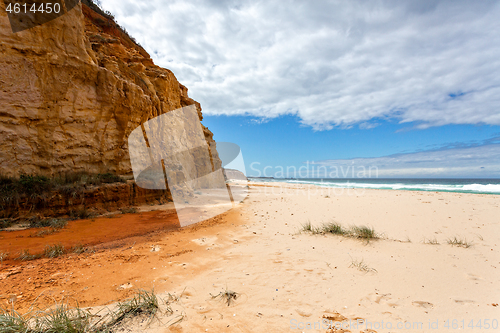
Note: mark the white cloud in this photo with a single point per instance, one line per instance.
(335, 63)
(478, 161)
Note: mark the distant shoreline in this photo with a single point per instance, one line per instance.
(452, 185)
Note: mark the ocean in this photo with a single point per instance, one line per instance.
(460, 185)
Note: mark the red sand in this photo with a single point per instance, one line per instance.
(88, 232)
(124, 256)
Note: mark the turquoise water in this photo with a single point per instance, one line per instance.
(462, 185)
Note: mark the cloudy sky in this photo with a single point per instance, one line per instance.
(424, 73)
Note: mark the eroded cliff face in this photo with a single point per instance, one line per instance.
(72, 90)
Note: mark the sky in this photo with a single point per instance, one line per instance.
(411, 88)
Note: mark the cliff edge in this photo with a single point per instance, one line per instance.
(72, 90)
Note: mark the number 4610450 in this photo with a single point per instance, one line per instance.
(47, 8)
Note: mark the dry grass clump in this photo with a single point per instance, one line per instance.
(129, 210)
(54, 251)
(36, 222)
(361, 266)
(79, 249)
(25, 255)
(358, 232)
(462, 242)
(49, 226)
(51, 251)
(433, 241)
(81, 214)
(227, 296)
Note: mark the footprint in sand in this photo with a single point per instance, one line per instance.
(155, 248)
(423, 304)
(474, 277)
(125, 286)
(334, 316)
(382, 299)
(464, 301)
(304, 312)
(204, 241)
(203, 309)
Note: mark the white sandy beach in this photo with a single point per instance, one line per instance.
(288, 281)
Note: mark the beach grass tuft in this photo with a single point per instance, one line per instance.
(308, 227)
(143, 302)
(361, 266)
(12, 321)
(333, 228)
(50, 251)
(358, 232)
(433, 241)
(461, 242)
(63, 318)
(363, 232)
(54, 251)
(25, 255)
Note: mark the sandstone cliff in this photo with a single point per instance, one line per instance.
(232, 174)
(72, 90)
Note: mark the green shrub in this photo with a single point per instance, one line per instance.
(35, 184)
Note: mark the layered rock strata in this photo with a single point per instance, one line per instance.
(73, 89)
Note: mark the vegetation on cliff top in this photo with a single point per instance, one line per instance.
(35, 190)
(95, 5)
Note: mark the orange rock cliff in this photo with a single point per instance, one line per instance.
(72, 90)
